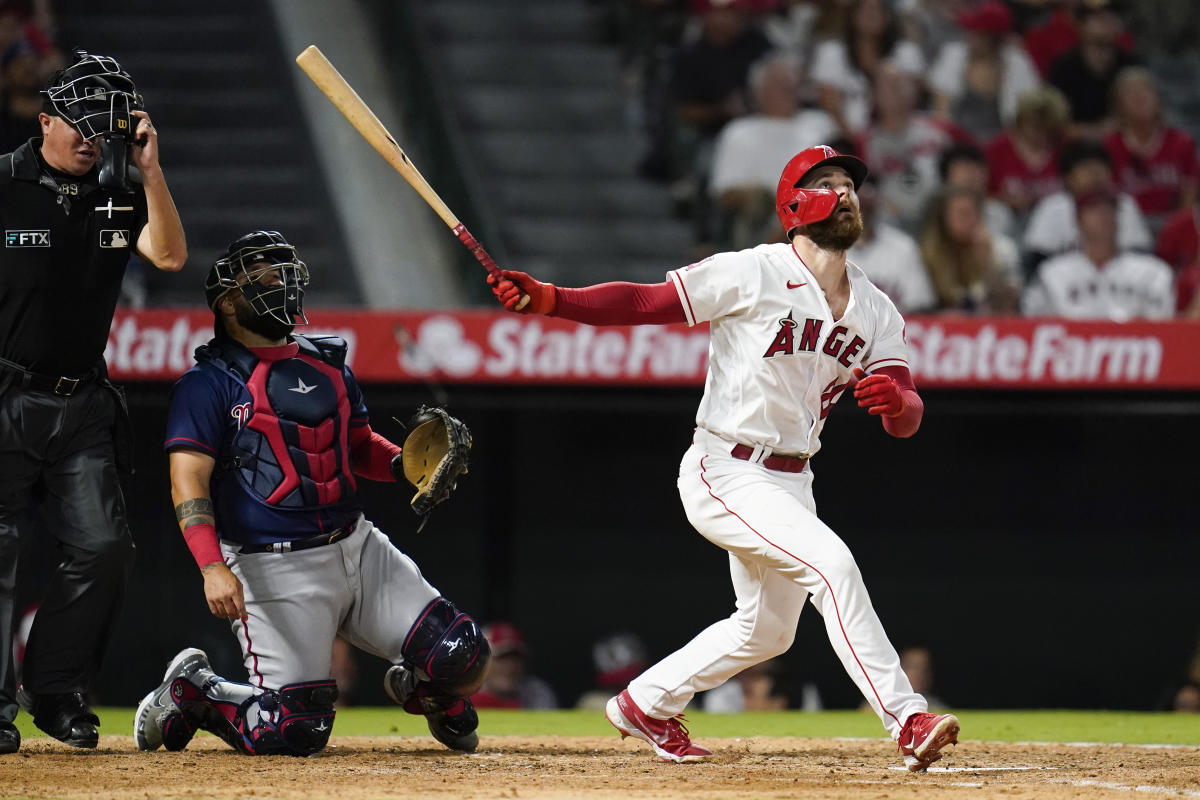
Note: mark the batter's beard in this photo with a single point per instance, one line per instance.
(836, 232)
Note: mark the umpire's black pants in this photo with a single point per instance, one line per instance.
(63, 448)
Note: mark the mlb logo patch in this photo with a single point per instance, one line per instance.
(114, 238)
(27, 238)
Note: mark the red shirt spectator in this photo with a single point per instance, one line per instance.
(1057, 35)
(1023, 159)
(1179, 246)
(1152, 161)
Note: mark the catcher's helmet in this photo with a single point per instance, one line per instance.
(95, 95)
(796, 206)
(251, 256)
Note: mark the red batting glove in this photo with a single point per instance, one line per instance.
(879, 394)
(520, 293)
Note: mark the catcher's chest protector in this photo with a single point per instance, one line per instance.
(292, 449)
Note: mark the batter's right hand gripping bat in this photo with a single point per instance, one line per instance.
(345, 99)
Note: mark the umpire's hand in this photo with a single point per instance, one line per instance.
(223, 591)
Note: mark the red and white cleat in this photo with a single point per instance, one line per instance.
(923, 737)
(668, 737)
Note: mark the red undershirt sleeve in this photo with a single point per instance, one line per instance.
(620, 303)
(907, 422)
(371, 455)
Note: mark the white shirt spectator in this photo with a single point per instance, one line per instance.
(1020, 75)
(1053, 226)
(905, 164)
(1130, 286)
(751, 151)
(892, 261)
(831, 66)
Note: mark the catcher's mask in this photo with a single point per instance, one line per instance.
(252, 256)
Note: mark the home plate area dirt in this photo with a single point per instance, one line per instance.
(571, 767)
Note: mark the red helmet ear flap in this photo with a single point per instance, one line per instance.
(805, 207)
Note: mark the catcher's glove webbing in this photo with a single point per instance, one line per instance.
(434, 454)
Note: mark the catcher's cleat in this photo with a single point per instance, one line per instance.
(159, 721)
(451, 720)
(668, 737)
(923, 737)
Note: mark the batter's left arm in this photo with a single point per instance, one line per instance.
(890, 393)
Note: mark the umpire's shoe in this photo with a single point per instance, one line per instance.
(66, 716)
(10, 738)
(158, 720)
(451, 720)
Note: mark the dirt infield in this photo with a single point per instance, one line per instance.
(570, 767)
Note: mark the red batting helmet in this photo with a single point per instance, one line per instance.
(796, 206)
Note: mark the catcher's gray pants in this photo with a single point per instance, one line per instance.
(62, 448)
(361, 587)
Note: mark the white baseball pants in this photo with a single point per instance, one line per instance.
(780, 554)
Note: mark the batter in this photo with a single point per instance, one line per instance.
(792, 326)
(267, 436)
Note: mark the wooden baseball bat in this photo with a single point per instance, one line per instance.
(353, 108)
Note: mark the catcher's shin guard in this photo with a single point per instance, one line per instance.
(452, 720)
(296, 720)
(447, 649)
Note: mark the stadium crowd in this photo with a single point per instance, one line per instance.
(1024, 158)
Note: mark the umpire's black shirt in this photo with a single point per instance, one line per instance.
(66, 244)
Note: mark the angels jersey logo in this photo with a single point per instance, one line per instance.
(785, 344)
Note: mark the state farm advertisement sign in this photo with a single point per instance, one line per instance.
(495, 347)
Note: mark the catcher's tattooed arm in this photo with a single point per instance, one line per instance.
(191, 471)
(197, 511)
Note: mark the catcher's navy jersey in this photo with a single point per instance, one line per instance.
(277, 421)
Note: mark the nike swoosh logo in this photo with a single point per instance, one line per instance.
(791, 285)
(302, 388)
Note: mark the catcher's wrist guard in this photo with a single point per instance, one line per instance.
(433, 455)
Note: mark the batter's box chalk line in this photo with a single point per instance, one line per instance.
(980, 769)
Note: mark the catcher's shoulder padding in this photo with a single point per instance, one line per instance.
(434, 454)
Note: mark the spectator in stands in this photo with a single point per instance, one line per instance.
(976, 81)
(1154, 162)
(844, 69)
(1023, 159)
(33, 22)
(755, 688)
(748, 152)
(902, 146)
(20, 96)
(1101, 280)
(973, 270)
(1187, 699)
(917, 663)
(618, 659)
(706, 87)
(1085, 73)
(1179, 246)
(508, 683)
(890, 257)
(1083, 165)
(964, 165)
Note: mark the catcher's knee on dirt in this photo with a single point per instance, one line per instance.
(447, 649)
(295, 720)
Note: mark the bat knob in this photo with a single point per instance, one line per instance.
(524, 301)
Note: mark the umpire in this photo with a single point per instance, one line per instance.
(75, 204)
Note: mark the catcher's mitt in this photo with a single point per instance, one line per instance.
(433, 455)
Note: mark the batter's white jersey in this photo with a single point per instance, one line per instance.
(778, 360)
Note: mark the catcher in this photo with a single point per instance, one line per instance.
(267, 436)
